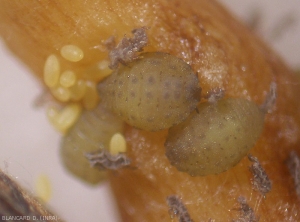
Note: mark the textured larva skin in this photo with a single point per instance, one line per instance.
(216, 137)
(92, 132)
(223, 53)
(154, 92)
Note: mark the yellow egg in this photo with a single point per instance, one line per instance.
(67, 79)
(78, 90)
(61, 93)
(43, 188)
(117, 144)
(71, 53)
(51, 71)
(64, 119)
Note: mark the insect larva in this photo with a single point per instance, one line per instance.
(92, 131)
(154, 92)
(71, 53)
(103, 160)
(178, 209)
(216, 137)
(261, 181)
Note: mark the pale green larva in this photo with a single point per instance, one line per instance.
(154, 92)
(216, 137)
(93, 131)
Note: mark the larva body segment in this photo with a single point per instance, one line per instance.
(92, 131)
(216, 137)
(154, 92)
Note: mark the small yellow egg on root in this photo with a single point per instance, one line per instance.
(71, 53)
(222, 51)
(154, 92)
(216, 137)
(51, 71)
(117, 144)
(78, 90)
(67, 78)
(64, 119)
(61, 93)
(43, 188)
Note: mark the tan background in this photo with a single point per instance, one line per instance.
(25, 156)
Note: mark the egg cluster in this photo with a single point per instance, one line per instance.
(87, 128)
(66, 87)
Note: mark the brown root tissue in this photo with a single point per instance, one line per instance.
(223, 53)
